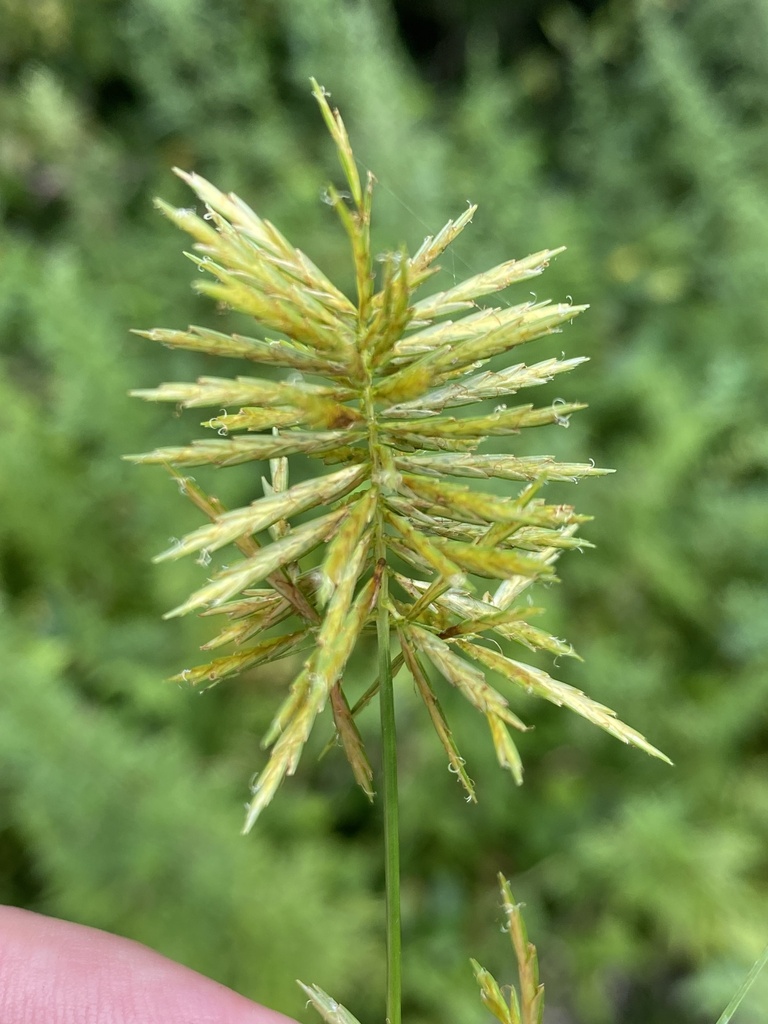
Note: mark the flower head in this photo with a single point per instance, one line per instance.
(396, 419)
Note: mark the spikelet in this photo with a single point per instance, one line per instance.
(525, 1006)
(395, 421)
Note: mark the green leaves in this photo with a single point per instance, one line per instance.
(397, 404)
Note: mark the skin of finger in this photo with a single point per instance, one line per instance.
(54, 972)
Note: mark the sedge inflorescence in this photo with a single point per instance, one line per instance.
(379, 395)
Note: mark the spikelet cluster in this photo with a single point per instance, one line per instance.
(388, 394)
(527, 1005)
(524, 1005)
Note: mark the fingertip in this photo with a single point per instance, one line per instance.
(59, 972)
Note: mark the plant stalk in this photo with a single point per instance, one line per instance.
(391, 809)
(388, 728)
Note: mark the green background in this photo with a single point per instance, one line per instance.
(635, 133)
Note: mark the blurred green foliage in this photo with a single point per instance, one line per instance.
(637, 137)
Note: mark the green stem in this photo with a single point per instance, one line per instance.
(733, 1006)
(380, 467)
(391, 809)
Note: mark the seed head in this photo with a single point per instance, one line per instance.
(396, 419)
